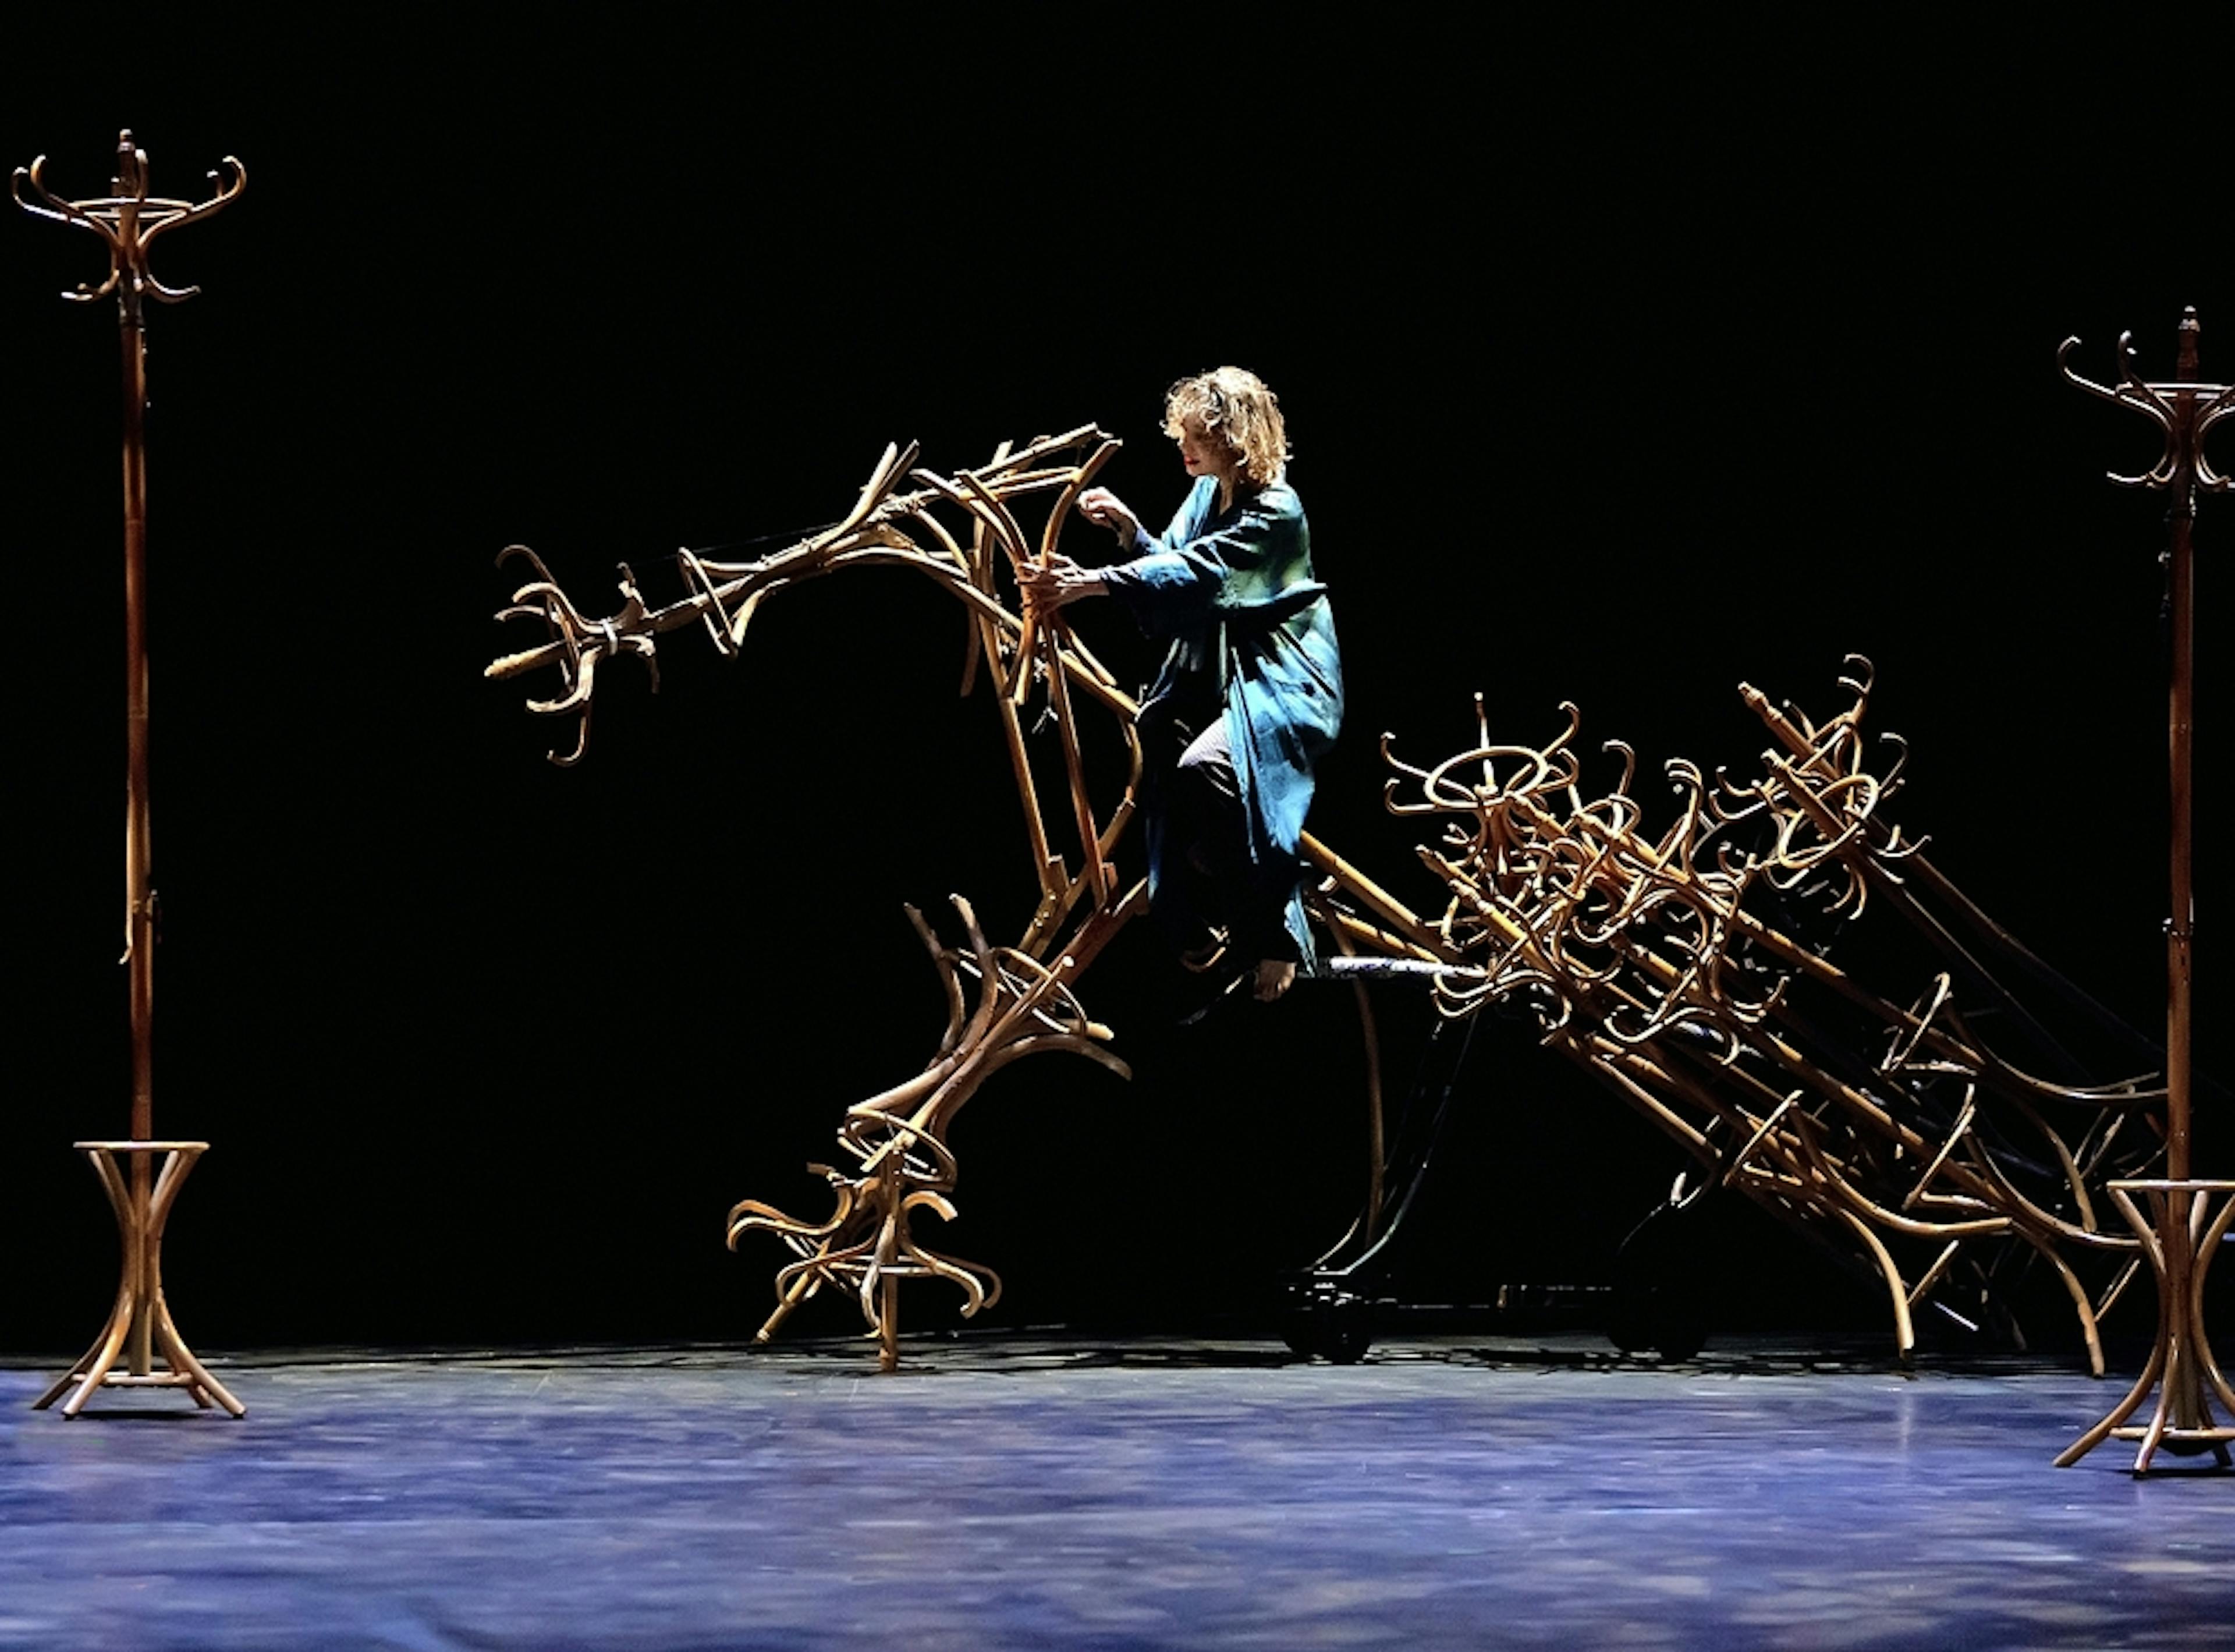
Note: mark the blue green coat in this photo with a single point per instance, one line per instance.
(1233, 590)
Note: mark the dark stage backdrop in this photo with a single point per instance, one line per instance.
(1618, 370)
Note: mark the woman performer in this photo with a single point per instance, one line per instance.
(1250, 694)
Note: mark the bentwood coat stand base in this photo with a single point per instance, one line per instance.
(2179, 1241)
(140, 1325)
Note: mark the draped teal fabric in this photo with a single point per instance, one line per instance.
(1234, 591)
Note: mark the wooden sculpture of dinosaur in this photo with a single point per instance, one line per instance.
(1690, 972)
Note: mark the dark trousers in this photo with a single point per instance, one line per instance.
(1207, 846)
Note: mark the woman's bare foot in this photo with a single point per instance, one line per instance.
(1274, 977)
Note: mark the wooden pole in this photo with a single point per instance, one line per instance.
(139, 884)
(2181, 926)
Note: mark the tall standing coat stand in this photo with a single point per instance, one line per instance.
(2181, 1233)
(128, 220)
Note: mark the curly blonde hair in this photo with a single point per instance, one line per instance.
(1232, 406)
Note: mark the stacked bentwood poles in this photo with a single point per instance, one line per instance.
(142, 1193)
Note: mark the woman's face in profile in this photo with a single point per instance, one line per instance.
(1201, 453)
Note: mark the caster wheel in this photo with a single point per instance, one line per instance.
(1337, 1337)
(1345, 1344)
(1681, 1332)
(1659, 1300)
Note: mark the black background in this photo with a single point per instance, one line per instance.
(1619, 368)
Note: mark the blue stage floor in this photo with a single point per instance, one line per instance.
(1037, 1494)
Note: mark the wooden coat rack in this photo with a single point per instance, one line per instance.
(2182, 1233)
(127, 219)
